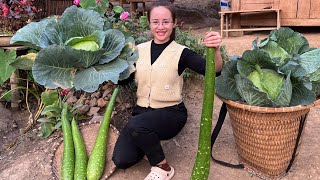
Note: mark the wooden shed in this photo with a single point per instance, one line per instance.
(292, 12)
(256, 15)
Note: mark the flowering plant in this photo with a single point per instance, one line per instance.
(14, 14)
(124, 16)
(53, 101)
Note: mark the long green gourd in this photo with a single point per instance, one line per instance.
(68, 147)
(80, 172)
(201, 167)
(97, 158)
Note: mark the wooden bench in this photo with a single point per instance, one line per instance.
(225, 15)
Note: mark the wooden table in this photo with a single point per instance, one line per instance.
(226, 15)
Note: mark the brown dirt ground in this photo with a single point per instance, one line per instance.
(30, 158)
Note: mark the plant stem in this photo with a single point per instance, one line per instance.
(20, 87)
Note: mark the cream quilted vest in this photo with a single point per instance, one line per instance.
(159, 84)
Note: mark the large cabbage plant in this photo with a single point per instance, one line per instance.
(282, 70)
(79, 49)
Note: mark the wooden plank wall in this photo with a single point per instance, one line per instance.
(293, 12)
(265, 19)
(235, 5)
(315, 9)
(276, 4)
(289, 8)
(254, 4)
(41, 4)
(57, 7)
(304, 9)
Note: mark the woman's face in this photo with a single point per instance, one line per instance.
(161, 24)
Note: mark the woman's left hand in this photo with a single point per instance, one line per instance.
(212, 39)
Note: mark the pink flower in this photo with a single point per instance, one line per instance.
(76, 2)
(34, 8)
(124, 16)
(5, 11)
(64, 92)
(98, 1)
(16, 9)
(23, 3)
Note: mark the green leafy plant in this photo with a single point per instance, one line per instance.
(53, 101)
(65, 60)
(99, 6)
(191, 41)
(6, 70)
(281, 71)
(129, 24)
(7, 96)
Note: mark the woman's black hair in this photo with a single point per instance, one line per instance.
(169, 5)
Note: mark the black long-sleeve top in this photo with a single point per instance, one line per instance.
(188, 59)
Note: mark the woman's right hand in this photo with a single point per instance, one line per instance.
(212, 39)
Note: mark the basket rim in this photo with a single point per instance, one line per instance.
(269, 109)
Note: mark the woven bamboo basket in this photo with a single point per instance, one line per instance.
(266, 138)
(89, 132)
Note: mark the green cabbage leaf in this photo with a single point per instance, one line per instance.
(281, 71)
(79, 49)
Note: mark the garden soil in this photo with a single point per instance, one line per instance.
(27, 156)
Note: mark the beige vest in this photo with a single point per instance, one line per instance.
(159, 84)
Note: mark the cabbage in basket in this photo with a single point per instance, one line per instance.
(281, 71)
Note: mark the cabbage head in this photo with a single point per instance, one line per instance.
(81, 43)
(268, 81)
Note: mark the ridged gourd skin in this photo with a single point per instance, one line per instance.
(68, 158)
(81, 161)
(97, 159)
(201, 167)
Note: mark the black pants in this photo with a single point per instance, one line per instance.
(143, 132)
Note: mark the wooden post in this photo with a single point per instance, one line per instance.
(133, 7)
(227, 25)
(278, 19)
(143, 8)
(48, 8)
(235, 24)
(221, 23)
(14, 81)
